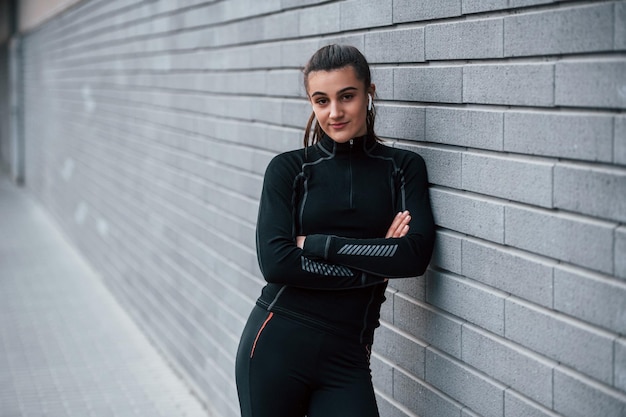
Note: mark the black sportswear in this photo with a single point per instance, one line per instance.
(343, 198)
(285, 369)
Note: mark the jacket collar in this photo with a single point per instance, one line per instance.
(359, 144)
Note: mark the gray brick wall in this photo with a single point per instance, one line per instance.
(149, 124)
(5, 108)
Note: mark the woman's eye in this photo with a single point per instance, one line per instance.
(348, 97)
(321, 101)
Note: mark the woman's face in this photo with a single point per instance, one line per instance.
(339, 101)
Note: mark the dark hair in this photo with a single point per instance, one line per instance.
(334, 57)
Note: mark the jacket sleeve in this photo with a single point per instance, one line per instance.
(407, 256)
(280, 260)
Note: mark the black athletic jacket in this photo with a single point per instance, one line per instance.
(343, 198)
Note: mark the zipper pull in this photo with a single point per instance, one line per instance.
(351, 142)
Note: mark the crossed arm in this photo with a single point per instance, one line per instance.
(334, 262)
(399, 228)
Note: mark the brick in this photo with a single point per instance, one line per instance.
(235, 156)
(591, 84)
(568, 30)
(253, 30)
(209, 13)
(358, 14)
(516, 405)
(430, 84)
(279, 139)
(233, 107)
(193, 60)
(620, 252)
(422, 399)
(386, 310)
(320, 20)
(388, 407)
(467, 300)
(225, 35)
(507, 363)
(401, 349)
(357, 40)
(465, 40)
(619, 140)
(190, 39)
(245, 209)
(472, 128)
(246, 184)
(509, 270)
(477, 6)
(427, 325)
(259, 56)
(619, 367)
(267, 110)
(592, 298)
(400, 122)
(577, 396)
(581, 241)
(468, 413)
(382, 374)
(560, 338)
(574, 136)
(524, 3)
(523, 180)
(287, 4)
(444, 165)
(448, 252)
(399, 45)
(257, 8)
(383, 79)
(296, 53)
(295, 113)
(620, 27)
(518, 84)
(412, 10)
(253, 82)
(285, 83)
(597, 192)
(477, 392)
(472, 215)
(281, 26)
(412, 287)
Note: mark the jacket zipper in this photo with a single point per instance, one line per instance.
(351, 143)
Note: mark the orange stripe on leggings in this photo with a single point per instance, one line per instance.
(259, 333)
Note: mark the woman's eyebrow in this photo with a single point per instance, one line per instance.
(343, 90)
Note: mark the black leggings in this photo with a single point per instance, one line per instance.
(286, 369)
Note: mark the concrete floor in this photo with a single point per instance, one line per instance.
(66, 347)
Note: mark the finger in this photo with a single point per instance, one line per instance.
(394, 225)
(402, 231)
(403, 227)
(397, 223)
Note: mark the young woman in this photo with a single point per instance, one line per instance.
(337, 219)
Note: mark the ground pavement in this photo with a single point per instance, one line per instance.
(66, 347)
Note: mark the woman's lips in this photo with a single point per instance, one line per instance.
(338, 126)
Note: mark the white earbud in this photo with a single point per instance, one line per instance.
(369, 102)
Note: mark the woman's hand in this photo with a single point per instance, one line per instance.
(400, 225)
(300, 241)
